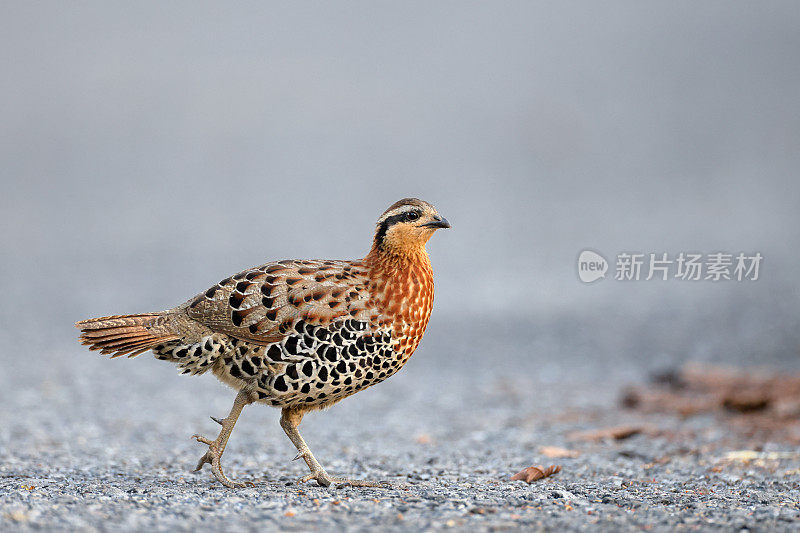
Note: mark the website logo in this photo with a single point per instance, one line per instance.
(591, 266)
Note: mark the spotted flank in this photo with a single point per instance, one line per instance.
(313, 365)
(195, 358)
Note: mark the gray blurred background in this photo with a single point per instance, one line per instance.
(150, 149)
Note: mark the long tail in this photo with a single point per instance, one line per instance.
(124, 334)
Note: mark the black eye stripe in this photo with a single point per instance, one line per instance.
(390, 221)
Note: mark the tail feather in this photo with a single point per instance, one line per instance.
(124, 334)
(104, 333)
(105, 339)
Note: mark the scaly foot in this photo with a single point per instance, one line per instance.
(213, 457)
(325, 480)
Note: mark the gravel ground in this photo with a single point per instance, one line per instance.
(93, 444)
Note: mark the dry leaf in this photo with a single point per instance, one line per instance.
(756, 403)
(532, 473)
(753, 455)
(612, 433)
(557, 452)
(746, 401)
(16, 516)
(424, 439)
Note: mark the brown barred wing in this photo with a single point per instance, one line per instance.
(262, 305)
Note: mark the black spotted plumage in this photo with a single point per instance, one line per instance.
(303, 359)
(313, 354)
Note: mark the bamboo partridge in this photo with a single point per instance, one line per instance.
(300, 335)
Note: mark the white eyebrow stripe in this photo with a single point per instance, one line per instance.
(397, 211)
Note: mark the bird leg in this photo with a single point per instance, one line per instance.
(290, 419)
(213, 455)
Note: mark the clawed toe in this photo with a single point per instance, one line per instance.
(208, 456)
(322, 479)
(213, 457)
(344, 482)
(204, 440)
(203, 460)
(326, 480)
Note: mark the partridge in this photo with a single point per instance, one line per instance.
(299, 335)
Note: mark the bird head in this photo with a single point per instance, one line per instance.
(407, 225)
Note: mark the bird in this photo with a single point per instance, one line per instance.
(298, 335)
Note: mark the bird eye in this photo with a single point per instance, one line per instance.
(412, 215)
